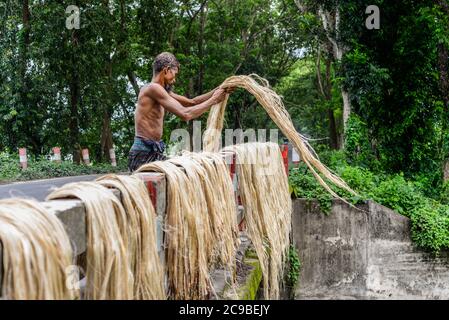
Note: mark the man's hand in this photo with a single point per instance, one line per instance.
(218, 95)
(230, 90)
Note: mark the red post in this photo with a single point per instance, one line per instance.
(285, 156)
(57, 154)
(86, 156)
(232, 168)
(23, 158)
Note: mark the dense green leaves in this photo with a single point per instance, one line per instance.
(393, 77)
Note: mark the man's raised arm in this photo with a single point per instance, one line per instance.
(174, 106)
(186, 102)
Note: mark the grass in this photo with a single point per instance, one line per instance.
(10, 170)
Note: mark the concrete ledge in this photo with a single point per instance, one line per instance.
(248, 291)
(248, 275)
(72, 214)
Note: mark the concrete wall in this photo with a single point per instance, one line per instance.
(363, 254)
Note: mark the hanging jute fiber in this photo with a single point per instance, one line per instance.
(194, 219)
(142, 243)
(221, 207)
(36, 253)
(263, 187)
(273, 105)
(186, 260)
(217, 206)
(108, 275)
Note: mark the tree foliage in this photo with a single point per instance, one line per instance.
(77, 88)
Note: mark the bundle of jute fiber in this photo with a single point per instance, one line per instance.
(141, 224)
(108, 272)
(36, 253)
(198, 202)
(263, 187)
(186, 260)
(272, 103)
(190, 236)
(221, 204)
(217, 197)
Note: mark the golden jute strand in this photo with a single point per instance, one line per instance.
(108, 275)
(221, 206)
(214, 126)
(263, 187)
(198, 199)
(185, 236)
(37, 254)
(141, 223)
(273, 105)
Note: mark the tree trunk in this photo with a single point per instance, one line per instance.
(74, 88)
(106, 142)
(331, 24)
(106, 136)
(334, 143)
(130, 73)
(443, 70)
(27, 133)
(332, 124)
(132, 79)
(73, 121)
(203, 14)
(346, 113)
(326, 91)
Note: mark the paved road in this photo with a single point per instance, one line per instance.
(39, 189)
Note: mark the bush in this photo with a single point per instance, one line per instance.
(294, 269)
(430, 227)
(41, 168)
(9, 166)
(358, 149)
(398, 194)
(304, 185)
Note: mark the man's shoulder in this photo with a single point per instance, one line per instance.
(153, 89)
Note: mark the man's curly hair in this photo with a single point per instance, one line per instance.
(164, 59)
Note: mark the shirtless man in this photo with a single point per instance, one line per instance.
(153, 100)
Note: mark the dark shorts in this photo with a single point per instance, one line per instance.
(144, 151)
